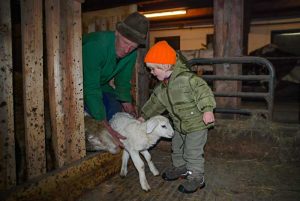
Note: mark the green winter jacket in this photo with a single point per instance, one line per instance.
(100, 65)
(186, 97)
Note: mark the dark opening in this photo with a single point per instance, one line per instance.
(287, 40)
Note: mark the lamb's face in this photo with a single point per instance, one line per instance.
(164, 128)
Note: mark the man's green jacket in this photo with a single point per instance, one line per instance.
(100, 65)
(186, 97)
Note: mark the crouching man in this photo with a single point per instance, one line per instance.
(110, 56)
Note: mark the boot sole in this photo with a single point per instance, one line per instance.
(164, 177)
(183, 190)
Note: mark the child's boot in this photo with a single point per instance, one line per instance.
(194, 182)
(174, 173)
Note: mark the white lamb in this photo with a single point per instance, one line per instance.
(140, 137)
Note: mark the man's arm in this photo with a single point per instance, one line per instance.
(92, 90)
(153, 106)
(117, 136)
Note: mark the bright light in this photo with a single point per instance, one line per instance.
(290, 34)
(167, 13)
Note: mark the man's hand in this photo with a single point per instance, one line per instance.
(129, 108)
(208, 117)
(117, 136)
(141, 119)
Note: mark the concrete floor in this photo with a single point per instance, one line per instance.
(226, 179)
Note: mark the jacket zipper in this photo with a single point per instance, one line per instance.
(180, 124)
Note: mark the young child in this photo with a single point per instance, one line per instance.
(190, 103)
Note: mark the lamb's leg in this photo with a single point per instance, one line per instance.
(139, 165)
(151, 165)
(125, 158)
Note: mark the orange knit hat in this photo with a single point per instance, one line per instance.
(161, 53)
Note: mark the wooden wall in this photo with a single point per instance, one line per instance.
(64, 50)
(105, 20)
(60, 59)
(7, 141)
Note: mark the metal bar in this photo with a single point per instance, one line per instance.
(242, 94)
(269, 97)
(282, 58)
(240, 111)
(233, 111)
(236, 77)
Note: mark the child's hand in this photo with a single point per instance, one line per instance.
(208, 117)
(141, 119)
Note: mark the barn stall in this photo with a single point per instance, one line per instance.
(52, 89)
(28, 176)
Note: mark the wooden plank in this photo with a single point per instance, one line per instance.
(228, 41)
(7, 140)
(70, 181)
(142, 80)
(80, 1)
(52, 8)
(101, 24)
(32, 62)
(92, 27)
(78, 147)
(73, 89)
(142, 77)
(112, 21)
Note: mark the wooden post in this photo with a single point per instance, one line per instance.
(73, 80)
(142, 78)
(32, 62)
(228, 41)
(7, 140)
(246, 26)
(52, 8)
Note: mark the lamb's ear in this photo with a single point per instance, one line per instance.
(151, 124)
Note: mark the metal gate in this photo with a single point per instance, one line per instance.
(267, 96)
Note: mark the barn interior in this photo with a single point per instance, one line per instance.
(247, 51)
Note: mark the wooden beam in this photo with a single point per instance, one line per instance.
(142, 80)
(7, 140)
(52, 8)
(76, 82)
(142, 77)
(32, 62)
(228, 42)
(73, 80)
(80, 1)
(70, 181)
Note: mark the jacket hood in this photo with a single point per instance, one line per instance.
(180, 66)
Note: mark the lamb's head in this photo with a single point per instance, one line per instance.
(160, 126)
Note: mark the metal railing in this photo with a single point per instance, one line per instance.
(268, 96)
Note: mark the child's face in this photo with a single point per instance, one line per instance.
(160, 71)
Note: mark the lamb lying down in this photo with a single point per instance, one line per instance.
(98, 138)
(140, 137)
